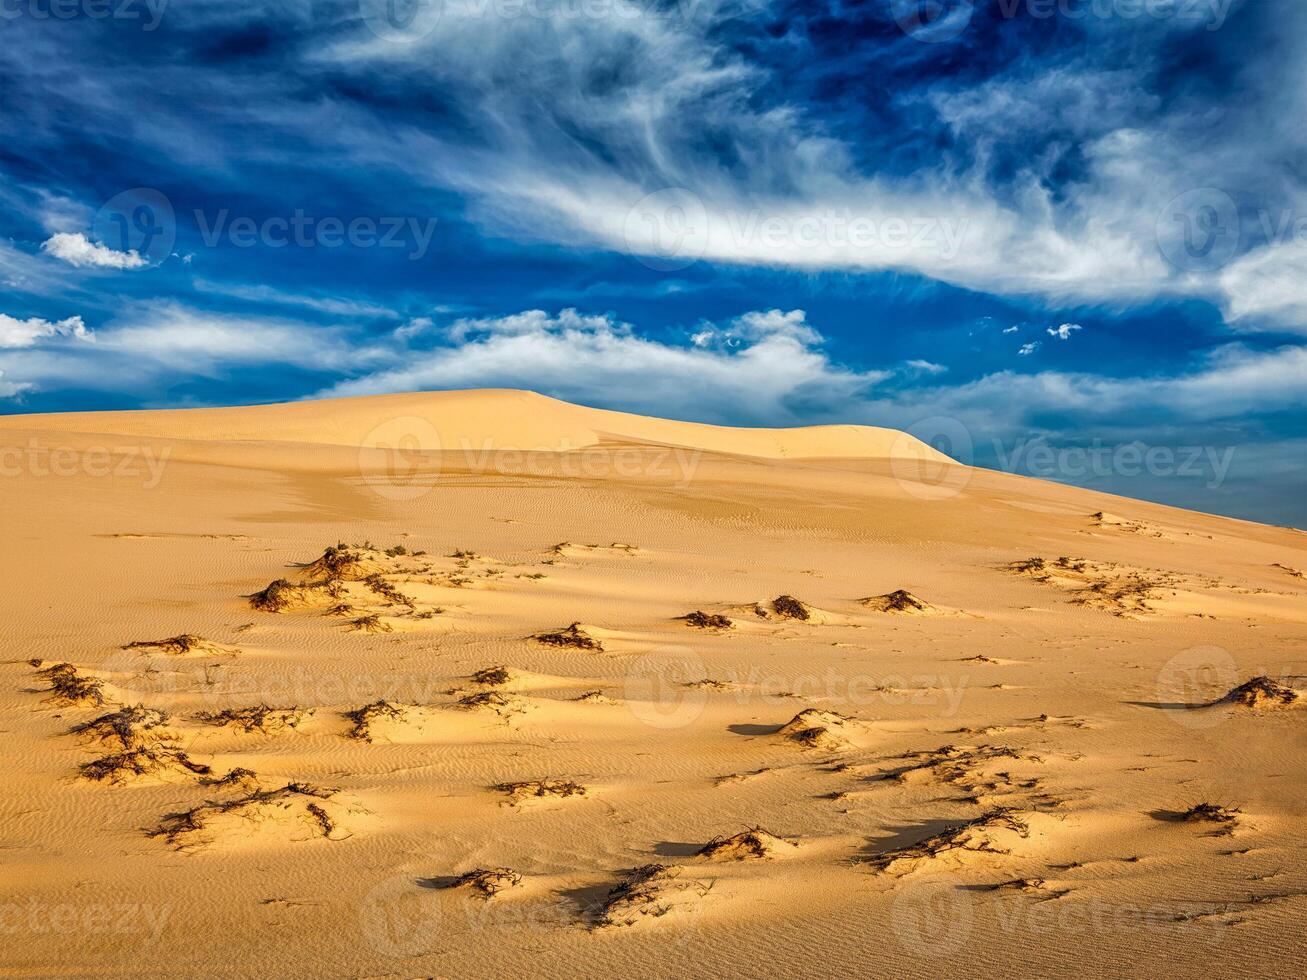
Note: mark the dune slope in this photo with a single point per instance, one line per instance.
(481, 684)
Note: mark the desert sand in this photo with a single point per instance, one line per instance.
(481, 684)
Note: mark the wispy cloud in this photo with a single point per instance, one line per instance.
(333, 305)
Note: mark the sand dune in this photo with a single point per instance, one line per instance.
(794, 708)
(476, 420)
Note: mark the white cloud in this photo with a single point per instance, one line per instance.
(926, 367)
(412, 328)
(758, 325)
(1064, 331)
(1028, 349)
(13, 389)
(79, 251)
(1267, 288)
(772, 373)
(1011, 329)
(150, 346)
(198, 341)
(16, 333)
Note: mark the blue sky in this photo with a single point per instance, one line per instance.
(1062, 237)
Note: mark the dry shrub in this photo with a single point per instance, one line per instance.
(707, 621)
(754, 843)
(788, 607)
(573, 636)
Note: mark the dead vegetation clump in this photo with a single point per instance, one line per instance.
(178, 645)
(814, 718)
(371, 623)
(488, 881)
(128, 728)
(1028, 886)
(1120, 591)
(70, 687)
(707, 621)
(282, 595)
(898, 601)
(788, 607)
(246, 779)
(1029, 566)
(519, 792)
(381, 587)
(752, 844)
(159, 759)
(339, 564)
(594, 697)
(1260, 692)
(258, 718)
(1226, 817)
(977, 835)
(817, 729)
(707, 684)
(957, 765)
(368, 715)
(820, 738)
(492, 676)
(1130, 593)
(500, 704)
(573, 636)
(274, 597)
(649, 891)
(297, 802)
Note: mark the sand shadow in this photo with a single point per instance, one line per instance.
(437, 882)
(1171, 705)
(908, 835)
(588, 901)
(672, 848)
(750, 729)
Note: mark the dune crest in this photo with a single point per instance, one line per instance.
(477, 421)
